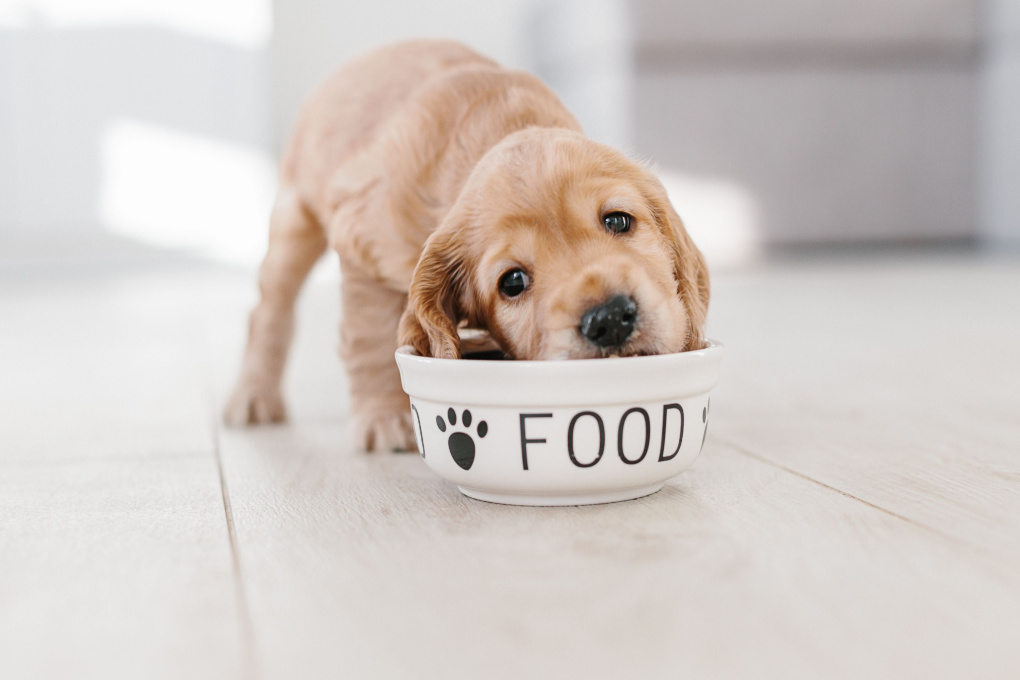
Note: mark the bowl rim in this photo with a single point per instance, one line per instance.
(567, 382)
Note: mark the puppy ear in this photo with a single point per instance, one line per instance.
(429, 323)
(691, 274)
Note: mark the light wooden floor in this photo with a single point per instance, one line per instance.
(855, 514)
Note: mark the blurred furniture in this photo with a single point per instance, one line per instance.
(842, 121)
(998, 195)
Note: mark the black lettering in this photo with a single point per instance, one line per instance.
(665, 415)
(524, 437)
(648, 435)
(570, 438)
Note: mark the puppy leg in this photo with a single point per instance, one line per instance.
(296, 241)
(368, 339)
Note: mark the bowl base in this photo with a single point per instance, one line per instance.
(559, 499)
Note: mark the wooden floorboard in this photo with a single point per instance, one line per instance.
(735, 569)
(854, 513)
(103, 364)
(898, 386)
(116, 568)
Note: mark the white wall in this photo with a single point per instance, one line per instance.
(312, 37)
(160, 121)
(97, 97)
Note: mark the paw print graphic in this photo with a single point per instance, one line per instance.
(462, 446)
(704, 419)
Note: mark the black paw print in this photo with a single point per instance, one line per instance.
(704, 419)
(462, 446)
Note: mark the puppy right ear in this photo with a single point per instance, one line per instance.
(429, 323)
(689, 267)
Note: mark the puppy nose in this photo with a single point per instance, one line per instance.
(610, 323)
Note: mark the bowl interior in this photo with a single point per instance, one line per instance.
(490, 380)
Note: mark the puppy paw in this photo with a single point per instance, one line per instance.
(253, 404)
(385, 432)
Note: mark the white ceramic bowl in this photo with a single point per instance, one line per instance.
(560, 432)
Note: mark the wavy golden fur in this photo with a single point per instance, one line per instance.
(432, 171)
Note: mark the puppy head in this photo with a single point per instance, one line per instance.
(560, 248)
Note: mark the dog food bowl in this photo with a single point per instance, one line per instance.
(560, 432)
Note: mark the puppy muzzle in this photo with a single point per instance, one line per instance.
(609, 324)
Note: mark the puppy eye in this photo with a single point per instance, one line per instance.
(514, 282)
(617, 222)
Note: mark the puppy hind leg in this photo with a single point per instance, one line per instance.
(368, 339)
(296, 241)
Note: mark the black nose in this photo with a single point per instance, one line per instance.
(610, 323)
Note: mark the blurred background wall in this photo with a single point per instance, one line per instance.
(771, 121)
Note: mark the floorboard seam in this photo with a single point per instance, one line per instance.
(251, 670)
(997, 560)
(105, 458)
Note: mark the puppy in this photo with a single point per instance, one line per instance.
(461, 194)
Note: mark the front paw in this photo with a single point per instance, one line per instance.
(385, 432)
(253, 404)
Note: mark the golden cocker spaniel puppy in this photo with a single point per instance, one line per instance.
(462, 194)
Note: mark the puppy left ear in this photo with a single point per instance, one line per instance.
(429, 323)
(691, 274)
